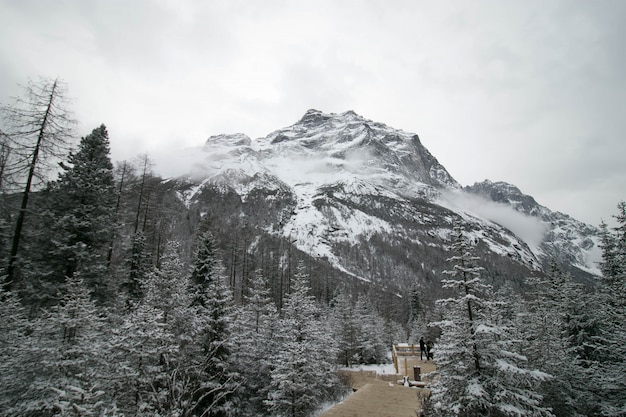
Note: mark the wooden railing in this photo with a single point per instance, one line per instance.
(403, 349)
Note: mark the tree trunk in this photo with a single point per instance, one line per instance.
(29, 181)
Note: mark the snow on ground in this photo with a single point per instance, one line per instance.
(381, 369)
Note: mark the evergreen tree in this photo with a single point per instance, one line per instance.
(149, 345)
(138, 267)
(374, 347)
(59, 357)
(543, 325)
(18, 367)
(80, 356)
(83, 199)
(303, 375)
(216, 382)
(613, 245)
(347, 331)
(358, 330)
(121, 174)
(143, 350)
(256, 335)
(167, 291)
(609, 264)
(206, 270)
(480, 372)
(167, 288)
(418, 323)
(606, 363)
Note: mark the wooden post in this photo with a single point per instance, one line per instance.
(394, 356)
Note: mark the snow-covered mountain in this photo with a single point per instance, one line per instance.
(564, 239)
(373, 203)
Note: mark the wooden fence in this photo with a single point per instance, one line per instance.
(403, 350)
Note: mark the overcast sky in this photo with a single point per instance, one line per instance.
(530, 92)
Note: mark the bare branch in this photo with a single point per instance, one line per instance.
(38, 131)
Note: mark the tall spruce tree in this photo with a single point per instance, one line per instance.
(347, 330)
(147, 347)
(83, 200)
(374, 347)
(543, 325)
(19, 363)
(606, 368)
(77, 324)
(303, 375)
(480, 371)
(167, 291)
(256, 334)
(57, 367)
(138, 269)
(216, 381)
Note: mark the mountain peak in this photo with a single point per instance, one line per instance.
(503, 192)
(332, 181)
(233, 139)
(314, 117)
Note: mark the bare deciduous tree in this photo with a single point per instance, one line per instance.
(39, 128)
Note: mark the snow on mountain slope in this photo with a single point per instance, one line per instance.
(555, 235)
(353, 180)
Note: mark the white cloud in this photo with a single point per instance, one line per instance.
(528, 228)
(522, 92)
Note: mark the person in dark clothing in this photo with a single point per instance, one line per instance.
(422, 349)
(429, 348)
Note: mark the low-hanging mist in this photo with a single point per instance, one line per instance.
(530, 229)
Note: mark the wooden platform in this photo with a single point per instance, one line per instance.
(382, 395)
(378, 400)
(407, 364)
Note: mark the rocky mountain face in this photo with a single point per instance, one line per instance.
(368, 204)
(569, 242)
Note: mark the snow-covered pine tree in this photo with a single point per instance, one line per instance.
(149, 345)
(592, 371)
(347, 330)
(417, 325)
(138, 269)
(374, 348)
(303, 376)
(606, 369)
(215, 381)
(479, 371)
(18, 360)
(541, 324)
(167, 288)
(167, 291)
(207, 268)
(256, 332)
(613, 245)
(60, 357)
(609, 264)
(82, 203)
(81, 359)
(141, 348)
